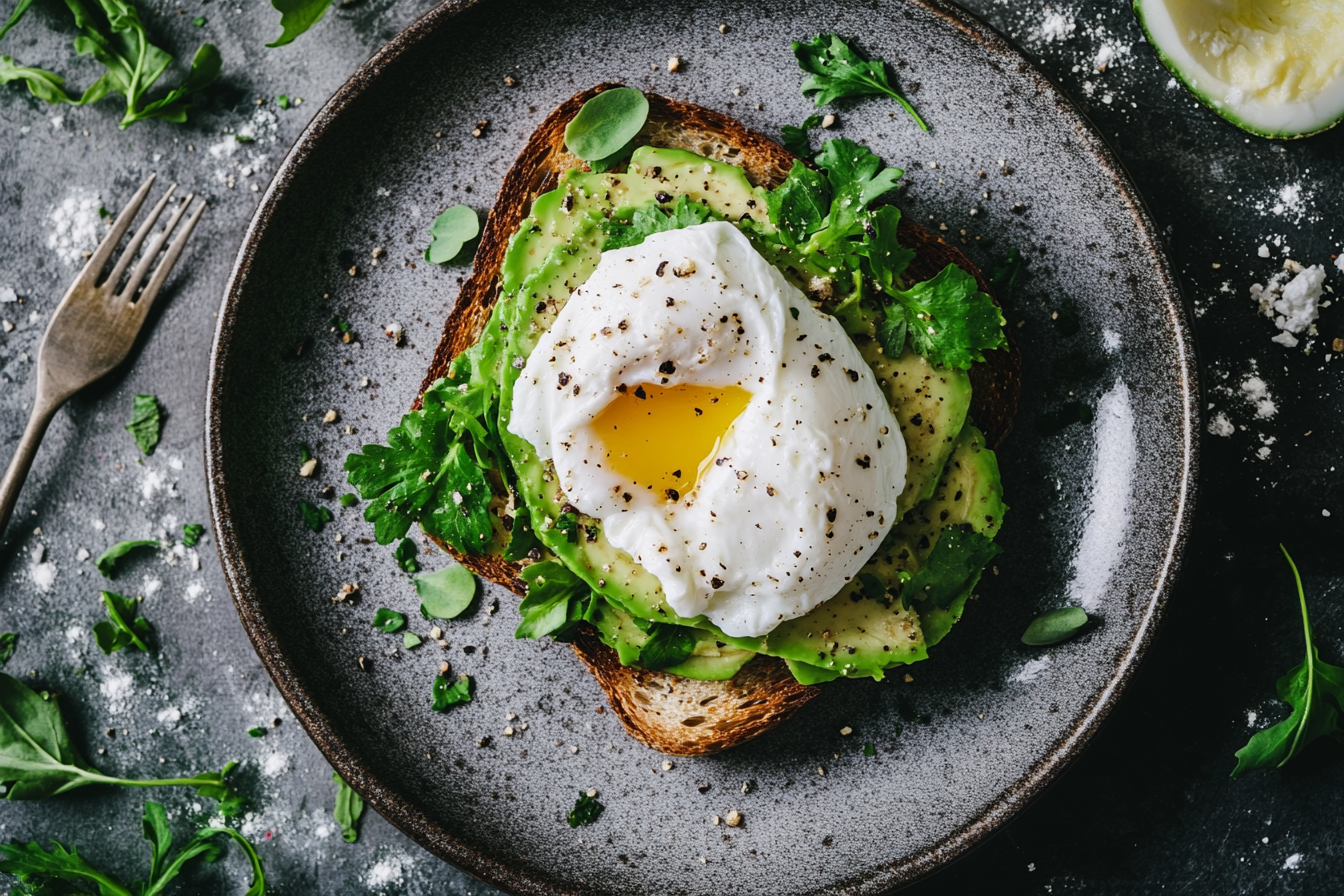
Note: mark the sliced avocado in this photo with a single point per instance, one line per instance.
(711, 660)
(719, 185)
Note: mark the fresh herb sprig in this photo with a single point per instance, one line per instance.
(447, 692)
(38, 759)
(586, 810)
(296, 17)
(107, 561)
(838, 71)
(654, 218)
(123, 628)
(1315, 691)
(349, 806)
(39, 870)
(146, 422)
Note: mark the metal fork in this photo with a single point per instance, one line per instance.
(95, 325)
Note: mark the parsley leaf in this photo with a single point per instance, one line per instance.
(257, 731)
(450, 693)
(430, 473)
(446, 594)
(947, 319)
(107, 560)
(38, 760)
(800, 204)
(349, 806)
(296, 17)
(795, 138)
(191, 534)
(522, 538)
(8, 641)
(667, 646)
(586, 811)
(557, 600)
(146, 422)
(837, 71)
(388, 621)
(1315, 691)
(958, 556)
(405, 556)
(125, 628)
(651, 218)
(314, 517)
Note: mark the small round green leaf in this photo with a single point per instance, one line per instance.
(450, 231)
(388, 621)
(1055, 626)
(606, 123)
(446, 594)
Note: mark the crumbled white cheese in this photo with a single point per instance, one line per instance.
(1290, 299)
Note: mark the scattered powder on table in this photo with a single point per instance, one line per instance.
(1291, 299)
(1256, 392)
(1032, 669)
(1292, 862)
(1108, 505)
(74, 226)
(1221, 426)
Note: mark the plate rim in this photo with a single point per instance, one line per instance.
(417, 824)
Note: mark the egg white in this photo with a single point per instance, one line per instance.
(804, 483)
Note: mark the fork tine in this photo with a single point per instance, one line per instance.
(151, 253)
(143, 231)
(109, 243)
(169, 257)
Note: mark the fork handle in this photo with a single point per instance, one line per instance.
(43, 410)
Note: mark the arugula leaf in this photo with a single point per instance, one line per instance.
(388, 621)
(126, 628)
(556, 601)
(586, 811)
(405, 556)
(958, 556)
(191, 534)
(947, 319)
(296, 17)
(650, 218)
(837, 71)
(446, 594)
(451, 231)
(349, 806)
(447, 693)
(606, 124)
(314, 517)
(1055, 626)
(38, 760)
(107, 560)
(430, 472)
(45, 85)
(34, 867)
(522, 537)
(19, 9)
(795, 138)
(8, 641)
(146, 422)
(1315, 691)
(667, 646)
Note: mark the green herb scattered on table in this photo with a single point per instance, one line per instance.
(39, 760)
(146, 422)
(314, 517)
(244, 138)
(869, 750)
(8, 641)
(586, 811)
(39, 871)
(282, 101)
(198, 21)
(447, 593)
(123, 627)
(410, 639)
(837, 71)
(388, 621)
(405, 556)
(191, 534)
(108, 559)
(1315, 691)
(349, 806)
(1055, 626)
(447, 692)
(451, 231)
(349, 500)
(256, 731)
(296, 17)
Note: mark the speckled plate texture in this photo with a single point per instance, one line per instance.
(1099, 508)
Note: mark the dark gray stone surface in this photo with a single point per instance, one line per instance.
(1147, 807)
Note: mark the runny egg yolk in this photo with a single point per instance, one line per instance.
(661, 437)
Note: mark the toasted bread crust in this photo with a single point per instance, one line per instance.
(671, 714)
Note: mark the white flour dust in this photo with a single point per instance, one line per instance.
(74, 226)
(1108, 509)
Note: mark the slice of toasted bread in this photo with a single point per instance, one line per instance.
(672, 714)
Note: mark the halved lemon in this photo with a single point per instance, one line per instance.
(1272, 67)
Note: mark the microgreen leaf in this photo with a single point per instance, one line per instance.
(667, 646)
(282, 101)
(8, 641)
(146, 422)
(107, 560)
(256, 731)
(957, 556)
(349, 806)
(1315, 691)
(388, 621)
(446, 593)
(405, 556)
(448, 693)
(837, 71)
(349, 500)
(314, 517)
(948, 320)
(1055, 626)
(124, 628)
(191, 534)
(555, 602)
(35, 867)
(606, 124)
(296, 17)
(451, 231)
(410, 639)
(586, 811)
(869, 750)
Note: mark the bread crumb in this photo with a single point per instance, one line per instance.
(673, 63)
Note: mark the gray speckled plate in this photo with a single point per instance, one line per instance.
(1099, 509)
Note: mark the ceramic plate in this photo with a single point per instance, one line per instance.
(1100, 506)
